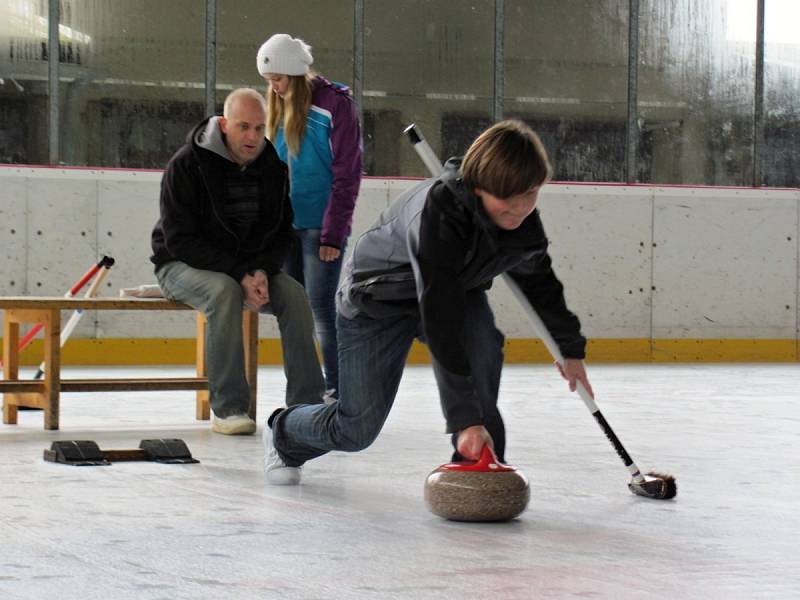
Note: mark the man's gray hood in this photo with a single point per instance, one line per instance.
(210, 138)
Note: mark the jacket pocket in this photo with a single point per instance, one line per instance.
(385, 293)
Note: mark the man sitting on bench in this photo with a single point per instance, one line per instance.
(223, 234)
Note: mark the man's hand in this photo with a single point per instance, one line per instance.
(255, 288)
(261, 285)
(472, 440)
(574, 372)
(329, 253)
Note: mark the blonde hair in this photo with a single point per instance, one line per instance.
(291, 111)
(505, 160)
(240, 94)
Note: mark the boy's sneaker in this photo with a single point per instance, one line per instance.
(277, 471)
(234, 425)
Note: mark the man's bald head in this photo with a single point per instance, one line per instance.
(244, 123)
(242, 94)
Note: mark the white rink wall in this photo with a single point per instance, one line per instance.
(638, 262)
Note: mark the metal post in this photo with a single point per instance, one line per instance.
(53, 58)
(758, 108)
(632, 127)
(211, 57)
(499, 60)
(358, 57)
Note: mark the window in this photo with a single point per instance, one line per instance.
(566, 70)
(23, 82)
(696, 91)
(780, 165)
(424, 59)
(137, 87)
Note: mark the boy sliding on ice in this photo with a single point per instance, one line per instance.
(422, 271)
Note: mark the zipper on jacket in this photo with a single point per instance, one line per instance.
(214, 210)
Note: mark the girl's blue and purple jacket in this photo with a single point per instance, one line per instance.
(326, 172)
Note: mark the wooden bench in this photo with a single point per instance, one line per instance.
(46, 392)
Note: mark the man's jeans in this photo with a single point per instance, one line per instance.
(320, 279)
(219, 297)
(372, 355)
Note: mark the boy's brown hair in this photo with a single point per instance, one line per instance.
(505, 160)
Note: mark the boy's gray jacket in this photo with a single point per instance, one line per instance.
(431, 247)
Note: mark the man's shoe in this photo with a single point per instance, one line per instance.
(330, 396)
(234, 425)
(277, 471)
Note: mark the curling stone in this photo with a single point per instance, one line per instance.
(485, 490)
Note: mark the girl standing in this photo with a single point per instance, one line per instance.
(313, 124)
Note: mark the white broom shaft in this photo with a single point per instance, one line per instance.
(70, 325)
(76, 315)
(92, 291)
(423, 148)
(547, 339)
(105, 261)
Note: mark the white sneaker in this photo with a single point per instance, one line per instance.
(329, 397)
(277, 471)
(234, 425)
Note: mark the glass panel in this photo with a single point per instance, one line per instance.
(566, 70)
(243, 25)
(428, 62)
(23, 82)
(696, 91)
(135, 86)
(780, 164)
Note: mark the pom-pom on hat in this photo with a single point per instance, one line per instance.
(284, 55)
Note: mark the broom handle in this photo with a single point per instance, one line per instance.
(543, 334)
(435, 167)
(106, 261)
(76, 315)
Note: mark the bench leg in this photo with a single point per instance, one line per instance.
(52, 369)
(202, 408)
(49, 399)
(10, 367)
(250, 338)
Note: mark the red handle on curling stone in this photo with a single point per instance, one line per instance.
(487, 463)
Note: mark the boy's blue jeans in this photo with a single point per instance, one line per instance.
(372, 356)
(320, 279)
(219, 297)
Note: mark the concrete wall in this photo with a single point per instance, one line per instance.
(655, 273)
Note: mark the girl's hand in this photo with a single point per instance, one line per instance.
(329, 253)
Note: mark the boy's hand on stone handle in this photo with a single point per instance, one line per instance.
(472, 440)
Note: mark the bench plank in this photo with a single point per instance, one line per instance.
(141, 384)
(20, 385)
(60, 303)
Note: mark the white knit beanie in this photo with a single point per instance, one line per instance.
(284, 55)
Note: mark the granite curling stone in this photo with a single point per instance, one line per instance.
(485, 490)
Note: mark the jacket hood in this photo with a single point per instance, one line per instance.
(208, 135)
(452, 180)
(451, 177)
(530, 232)
(321, 82)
